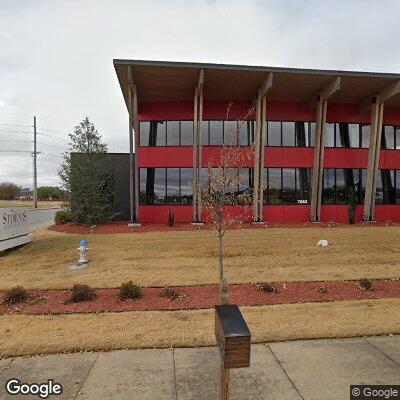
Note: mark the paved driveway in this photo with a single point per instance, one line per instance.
(310, 370)
(41, 218)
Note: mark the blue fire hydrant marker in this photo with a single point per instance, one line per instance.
(83, 261)
(83, 252)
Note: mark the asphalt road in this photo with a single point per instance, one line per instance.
(41, 218)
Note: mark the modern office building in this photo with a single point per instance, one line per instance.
(315, 134)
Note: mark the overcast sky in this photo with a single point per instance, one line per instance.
(56, 57)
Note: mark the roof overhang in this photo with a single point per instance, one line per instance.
(175, 81)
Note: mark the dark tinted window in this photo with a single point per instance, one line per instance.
(144, 133)
(288, 133)
(303, 185)
(153, 133)
(301, 133)
(159, 185)
(354, 135)
(231, 133)
(274, 133)
(205, 133)
(388, 184)
(216, 133)
(379, 189)
(341, 135)
(328, 191)
(245, 183)
(365, 130)
(173, 186)
(329, 135)
(144, 197)
(348, 135)
(337, 182)
(289, 186)
(341, 188)
(172, 133)
(186, 133)
(152, 185)
(387, 138)
(312, 127)
(186, 185)
(166, 185)
(363, 183)
(397, 137)
(352, 177)
(274, 186)
(246, 133)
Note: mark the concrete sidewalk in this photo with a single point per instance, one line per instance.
(313, 369)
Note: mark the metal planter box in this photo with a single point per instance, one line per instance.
(233, 336)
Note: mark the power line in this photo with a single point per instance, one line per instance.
(51, 145)
(15, 151)
(50, 154)
(7, 131)
(25, 126)
(52, 136)
(54, 122)
(16, 141)
(50, 130)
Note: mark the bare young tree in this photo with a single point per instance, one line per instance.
(221, 188)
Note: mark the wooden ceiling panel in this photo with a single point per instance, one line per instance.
(169, 81)
(355, 89)
(393, 101)
(232, 84)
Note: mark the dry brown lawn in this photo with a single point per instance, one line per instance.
(26, 335)
(28, 204)
(189, 258)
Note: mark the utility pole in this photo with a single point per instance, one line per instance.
(34, 164)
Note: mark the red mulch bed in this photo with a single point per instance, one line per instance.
(202, 297)
(122, 227)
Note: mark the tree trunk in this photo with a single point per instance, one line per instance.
(223, 282)
(220, 256)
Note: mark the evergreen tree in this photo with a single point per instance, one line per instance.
(89, 190)
(352, 206)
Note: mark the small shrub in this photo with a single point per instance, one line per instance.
(128, 290)
(81, 293)
(267, 288)
(321, 289)
(171, 218)
(366, 284)
(36, 300)
(15, 295)
(170, 293)
(61, 217)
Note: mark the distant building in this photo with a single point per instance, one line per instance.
(25, 194)
(316, 134)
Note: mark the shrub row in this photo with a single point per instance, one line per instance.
(82, 292)
(266, 287)
(130, 291)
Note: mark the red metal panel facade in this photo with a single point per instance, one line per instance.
(289, 157)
